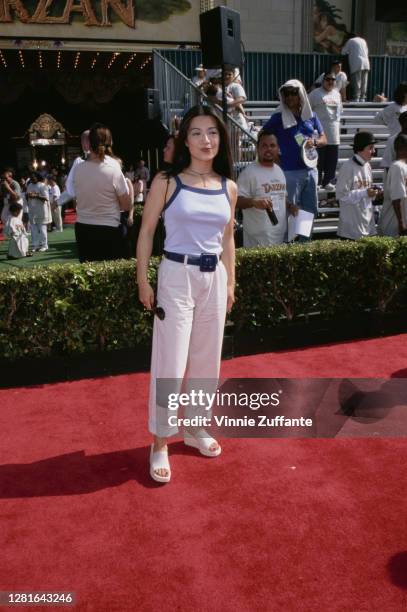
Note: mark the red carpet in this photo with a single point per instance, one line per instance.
(280, 525)
(70, 216)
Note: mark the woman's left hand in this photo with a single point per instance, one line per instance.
(230, 298)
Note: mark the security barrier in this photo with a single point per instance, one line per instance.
(263, 73)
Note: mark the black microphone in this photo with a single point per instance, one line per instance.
(272, 216)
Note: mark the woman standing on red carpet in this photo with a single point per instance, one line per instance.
(195, 277)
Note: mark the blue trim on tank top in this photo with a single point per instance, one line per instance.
(176, 192)
(224, 188)
(180, 185)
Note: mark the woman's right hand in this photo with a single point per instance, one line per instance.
(146, 295)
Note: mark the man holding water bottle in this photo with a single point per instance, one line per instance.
(262, 196)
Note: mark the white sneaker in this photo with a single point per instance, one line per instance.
(43, 249)
(330, 187)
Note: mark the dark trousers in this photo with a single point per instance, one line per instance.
(98, 242)
(327, 161)
(129, 239)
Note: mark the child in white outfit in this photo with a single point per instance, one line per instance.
(15, 230)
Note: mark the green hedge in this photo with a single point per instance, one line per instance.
(71, 308)
(66, 309)
(329, 277)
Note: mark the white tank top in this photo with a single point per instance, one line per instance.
(195, 219)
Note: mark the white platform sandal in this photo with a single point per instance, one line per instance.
(202, 442)
(159, 461)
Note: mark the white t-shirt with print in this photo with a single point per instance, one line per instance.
(258, 182)
(356, 218)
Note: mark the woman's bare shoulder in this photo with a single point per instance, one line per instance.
(162, 188)
(162, 178)
(231, 187)
(161, 182)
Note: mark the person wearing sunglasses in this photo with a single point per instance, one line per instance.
(297, 127)
(326, 102)
(341, 79)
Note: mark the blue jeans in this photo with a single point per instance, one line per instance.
(302, 190)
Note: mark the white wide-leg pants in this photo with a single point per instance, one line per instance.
(187, 344)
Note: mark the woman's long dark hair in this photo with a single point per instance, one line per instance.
(222, 164)
(400, 93)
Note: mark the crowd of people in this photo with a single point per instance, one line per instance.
(303, 137)
(30, 206)
(307, 134)
(36, 204)
(297, 155)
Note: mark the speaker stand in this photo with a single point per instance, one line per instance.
(224, 102)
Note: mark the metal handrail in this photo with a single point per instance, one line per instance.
(177, 93)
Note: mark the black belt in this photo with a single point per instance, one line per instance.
(206, 261)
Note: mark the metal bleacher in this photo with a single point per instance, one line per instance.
(355, 117)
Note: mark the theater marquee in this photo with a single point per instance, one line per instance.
(138, 20)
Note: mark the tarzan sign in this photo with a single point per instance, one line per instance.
(93, 12)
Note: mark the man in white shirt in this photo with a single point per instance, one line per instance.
(359, 66)
(355, 191)
(326, 102)
(341, 80)
(236, 97)
(262, 191)
(39, 212)
(393, 218)
(200, 76)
